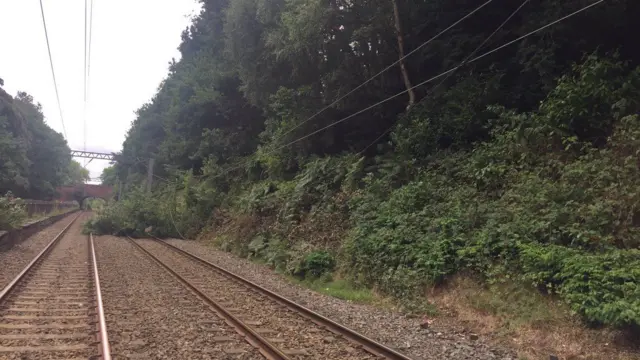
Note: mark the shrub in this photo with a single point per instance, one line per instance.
(137, 213)
(12, 214)
(316, 264)
(585, 103)
(603, 288)
(454, 118)
(540, 202)
(312, 189)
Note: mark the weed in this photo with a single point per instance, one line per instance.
(342, 289)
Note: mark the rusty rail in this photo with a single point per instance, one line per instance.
(7, 289)
(103, 338)
(15, 287)
(265, 347)
(38, 259)
(370, 345)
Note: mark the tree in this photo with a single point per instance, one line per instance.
(512, 159)
(48, 151)
(109, 176)
(403, 68)
(76, 174)
(35, 158)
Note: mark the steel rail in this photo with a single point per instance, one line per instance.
(11, 286)
(105, 349)
(370, 345)
(264, 346)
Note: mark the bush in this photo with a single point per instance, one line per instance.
(12, 214)
(135, 215)
(315, 265)
(454, 118)
(312, 189)
(548, 198)
(541, 202)
(270, 249)
(603, 288)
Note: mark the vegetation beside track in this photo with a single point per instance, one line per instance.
(12, 214)
(34, 159)
(521, 170)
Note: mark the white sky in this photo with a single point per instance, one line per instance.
(132, 43)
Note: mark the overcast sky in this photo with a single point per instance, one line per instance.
(132, 44)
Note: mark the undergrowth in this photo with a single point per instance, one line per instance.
(342, 289)
(547, 198)
(12, 214)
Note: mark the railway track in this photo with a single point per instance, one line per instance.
(152, 316)
(280, 328)
(52, 309)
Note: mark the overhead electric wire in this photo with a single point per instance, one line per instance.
(440, 75)
(88, 30)
(84, 117)
(53, 73)
(386, 69)
(89, 51)
(448, 73)
(509, 43)
(88, 34)
(462, 63)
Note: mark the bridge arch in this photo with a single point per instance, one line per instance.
(82, 192)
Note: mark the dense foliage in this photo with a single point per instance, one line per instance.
(76, 174)
(519, 167)
(34, 159)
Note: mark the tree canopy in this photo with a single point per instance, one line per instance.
(109, 176)
(253, 71)
(76, 174)
(34, 159)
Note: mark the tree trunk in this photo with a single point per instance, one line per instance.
(403, 68)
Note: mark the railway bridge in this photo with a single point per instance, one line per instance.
(81, 192)
(84, 191)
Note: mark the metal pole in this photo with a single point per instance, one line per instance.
(150, 174)
(126, 180)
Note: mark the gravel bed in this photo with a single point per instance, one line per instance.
(293, 334)
(14, 256)
(386, 326)
(151, 315)
(50, 314)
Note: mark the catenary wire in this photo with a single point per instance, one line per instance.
(448, 73)
(462, 63)
(440, 75)
(88, 30)
(509, 43)
(84, 114)
(445, 73)
(385, 69)
(53, 73)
